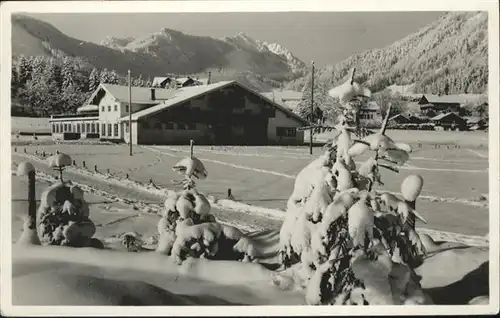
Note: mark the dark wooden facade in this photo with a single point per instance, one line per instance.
(229, 116)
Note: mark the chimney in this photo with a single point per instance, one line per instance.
(153, 96)
(209, 77)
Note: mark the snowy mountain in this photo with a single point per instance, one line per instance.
(295, 63)
(165, 51)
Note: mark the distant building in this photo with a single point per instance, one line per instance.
(398, 119)
(370, 114)
(220, 113)
(450, 121)
(432, 105)
(414, 119)
(177, 82)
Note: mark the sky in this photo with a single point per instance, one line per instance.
(323, 37)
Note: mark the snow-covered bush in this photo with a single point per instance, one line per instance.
(346, 243)
(63, 215)
(187, 229)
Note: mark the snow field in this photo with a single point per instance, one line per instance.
(447, 195)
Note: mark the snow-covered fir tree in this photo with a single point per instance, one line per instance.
(24, 70)
(94, 79)
(113, 77)
(104, 76)
(67, 73)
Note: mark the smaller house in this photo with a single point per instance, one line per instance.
(432, 105)
(450, 121)
(414, 119)
(476, 123)
(370, 115)
(398, 119)
(177, 82)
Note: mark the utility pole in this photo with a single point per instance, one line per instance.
(312, 112)
(130, 112)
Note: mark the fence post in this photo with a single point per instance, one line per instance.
(83, 163)
(107, 170)
(24, 150)
(126, 176)
(95, 168)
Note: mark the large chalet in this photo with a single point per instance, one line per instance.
(220, 113)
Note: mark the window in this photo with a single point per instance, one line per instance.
(158, 126)
(109, 129)
(169, 125)
(83, 128)
(65, 127)
(109, 108)
(103, 109)
(88, 127)
(286, 132)
(69, 127)
(116, 130)
(191, 126)
(181, 126)
(60, 128)
(53, 128)
(126, 108)
(97, 127)
(126, 127)
(92, 127)
(116, 108)
(103, 129)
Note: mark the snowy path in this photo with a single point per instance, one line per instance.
(431, 198)
(149, 201)
(478, 154)
(406, 167)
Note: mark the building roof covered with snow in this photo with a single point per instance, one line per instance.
(139, 95)
(450, 99)
(87, 108)
(184, 94)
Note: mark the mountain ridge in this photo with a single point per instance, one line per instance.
(448, 55)
(165, 51)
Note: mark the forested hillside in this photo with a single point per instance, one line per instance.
(452, 51)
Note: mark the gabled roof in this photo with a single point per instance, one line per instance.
(441, 116)
(158, 80)
(140, 95)
(459, 99)
(186, 93)
(398, 115)
(182, 80)
(87, 108)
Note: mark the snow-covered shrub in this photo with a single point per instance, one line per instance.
(346, 243)
(187, 229)
(63, 217)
